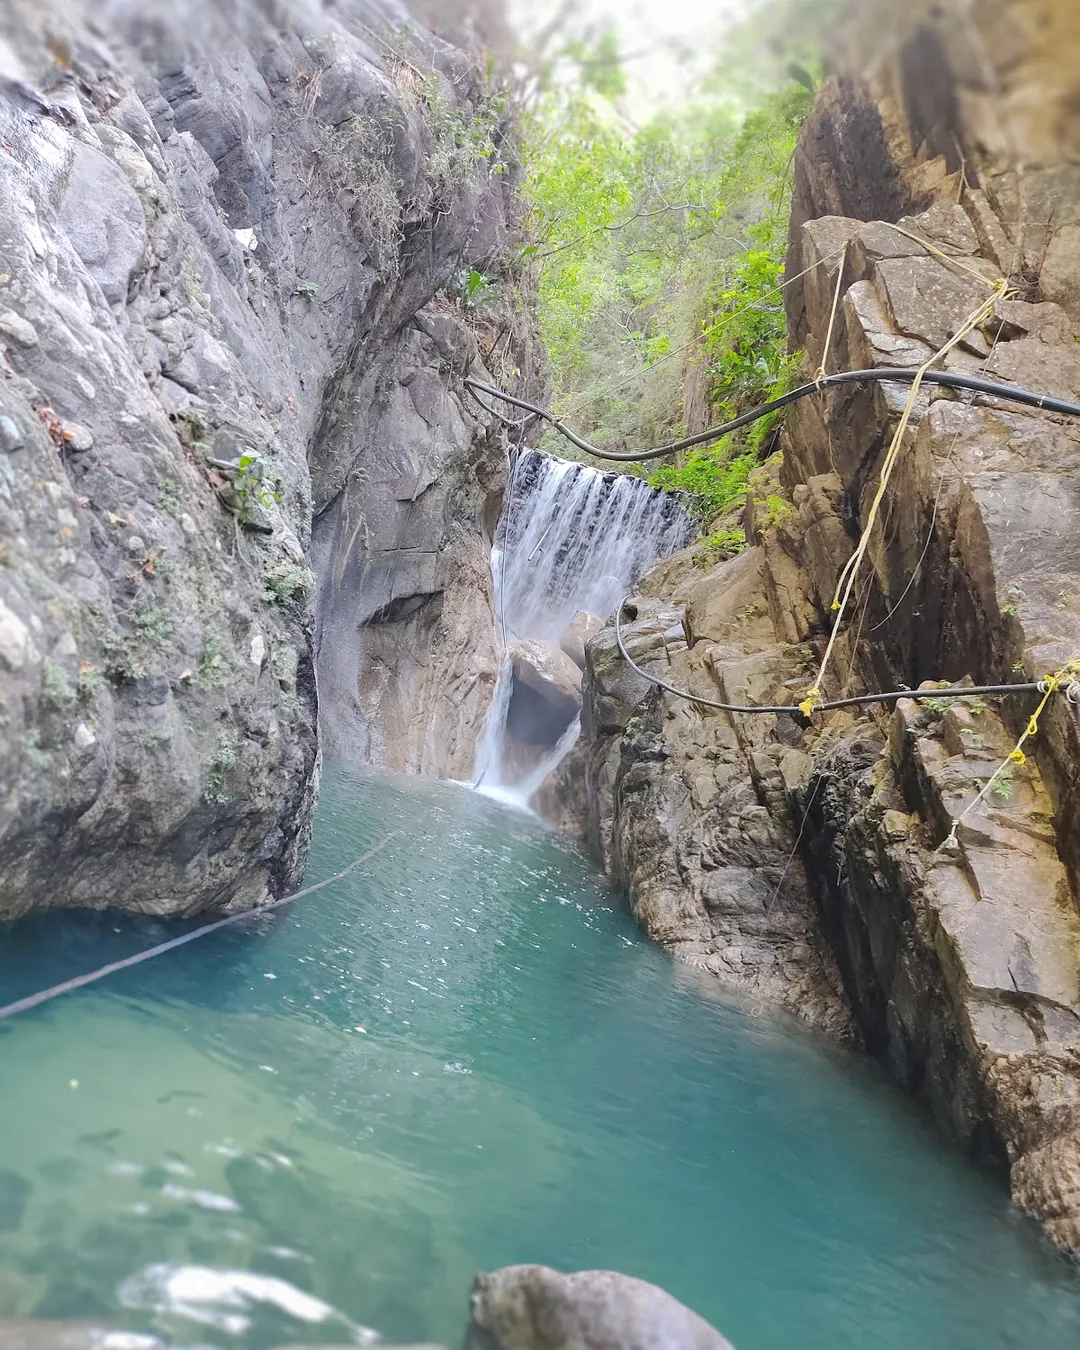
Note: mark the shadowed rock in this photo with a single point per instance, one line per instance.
(536, 1308)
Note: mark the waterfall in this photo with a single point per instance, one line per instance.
(487, 767)
(570, 538)
(573, 538)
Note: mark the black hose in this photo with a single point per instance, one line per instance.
(893, 696)
(898, 374)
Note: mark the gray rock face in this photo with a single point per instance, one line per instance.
(536, 1308)
(224, 262)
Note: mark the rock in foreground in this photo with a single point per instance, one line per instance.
(536, 1308)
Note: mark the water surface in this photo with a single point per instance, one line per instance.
(322, 1123)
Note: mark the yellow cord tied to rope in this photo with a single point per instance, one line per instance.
(1065, 678)
(850, 571)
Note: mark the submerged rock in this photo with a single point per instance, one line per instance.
(25, 1333)
(536, 1308)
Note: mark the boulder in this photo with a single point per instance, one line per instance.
(548, 672)
(578, 631)
(536, 1308)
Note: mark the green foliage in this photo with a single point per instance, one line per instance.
(223, 759)
(659, 258)
(1004, 783)
(255, 482)
(90, 684)
(713, 477)
(213, 671)
(286, 583)
(122, 658)
(54, 683)
(724, 543)
(168, 497)
(154, 625)
(477, 289)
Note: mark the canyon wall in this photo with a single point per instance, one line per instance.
(830, 867)
(234, 240)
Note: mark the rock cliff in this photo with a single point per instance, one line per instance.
(828, 868)
(234, 240)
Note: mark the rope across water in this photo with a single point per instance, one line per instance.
(79, 981)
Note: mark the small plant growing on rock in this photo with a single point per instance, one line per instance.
(720, 545)
(1003, 784)
(224, 758)
(168, 498)
(90, 684)
(121, 659)
(154, 625)
(54, 684)
(286, 583)
(213, 671)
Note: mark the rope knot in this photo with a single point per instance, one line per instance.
(806, 707)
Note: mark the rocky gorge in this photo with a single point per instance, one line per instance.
(250, 516)
(835, 868)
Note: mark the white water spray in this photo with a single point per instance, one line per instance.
(573, 538)
(570, 538)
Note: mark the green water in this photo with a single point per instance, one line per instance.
(461, 1057)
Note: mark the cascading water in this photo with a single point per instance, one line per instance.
(570, 539)
(573, 538)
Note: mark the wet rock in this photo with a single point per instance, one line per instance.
(562, 799)
(548, 672)
(582, 627)
(536, 1308)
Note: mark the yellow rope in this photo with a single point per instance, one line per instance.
(832, 316)
(848, 575)
(1051, 684)
(949, 258)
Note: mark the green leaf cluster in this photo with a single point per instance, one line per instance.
(659, 257)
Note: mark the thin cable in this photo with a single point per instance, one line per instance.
(948, 379)
(857, 700)
(820, 375)
(44, 995)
